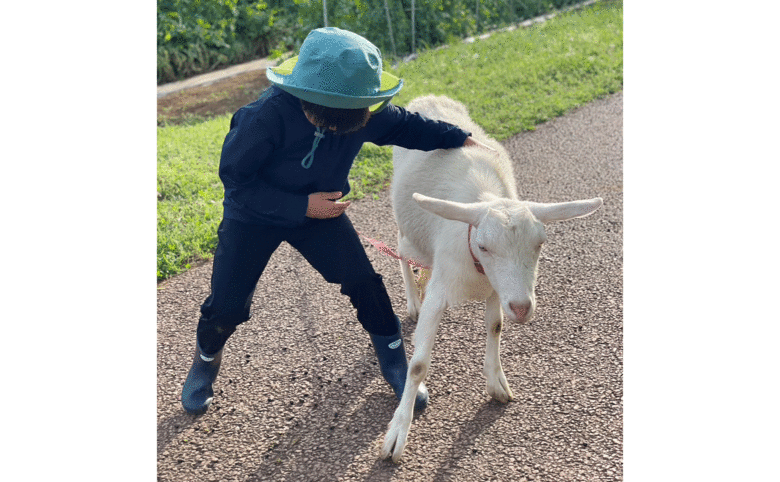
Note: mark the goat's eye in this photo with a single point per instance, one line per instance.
(483, 249)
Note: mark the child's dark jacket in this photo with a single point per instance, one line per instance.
(261, 169)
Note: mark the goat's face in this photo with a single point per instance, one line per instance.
(507, 241)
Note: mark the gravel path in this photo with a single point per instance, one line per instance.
(300, 397)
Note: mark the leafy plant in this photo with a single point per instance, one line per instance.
(196, 36)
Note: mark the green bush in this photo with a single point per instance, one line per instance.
(197, 36)
(436, 21)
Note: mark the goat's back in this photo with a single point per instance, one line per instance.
(463, 175)
(452, 165)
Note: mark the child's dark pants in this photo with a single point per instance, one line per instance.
(331, 246)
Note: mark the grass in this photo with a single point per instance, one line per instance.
(189, 205)
(515, 80)
(510, 82)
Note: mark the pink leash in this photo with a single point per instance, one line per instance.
(387, 251)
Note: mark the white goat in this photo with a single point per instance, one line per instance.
(471, 220)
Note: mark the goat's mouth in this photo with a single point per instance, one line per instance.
(521, 312)
(521, 321)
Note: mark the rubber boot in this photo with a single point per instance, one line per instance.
(392, 362)
(197, 394)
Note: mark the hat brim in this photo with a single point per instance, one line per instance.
(389, 86)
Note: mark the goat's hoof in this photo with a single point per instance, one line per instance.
(413, 309)
(395, 440)
(502, 397)
(500, 392)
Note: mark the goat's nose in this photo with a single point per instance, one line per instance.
(520, 309)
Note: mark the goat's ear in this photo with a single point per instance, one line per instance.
(469, 213)
(547, 213)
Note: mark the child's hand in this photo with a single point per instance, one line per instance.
(470, 141)
(322, 205)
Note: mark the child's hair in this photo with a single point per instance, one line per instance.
(343, 121)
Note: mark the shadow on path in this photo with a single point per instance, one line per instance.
(490, 412)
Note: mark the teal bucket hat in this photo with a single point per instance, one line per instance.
(337, 68)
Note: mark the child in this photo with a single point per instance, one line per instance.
(284, 166)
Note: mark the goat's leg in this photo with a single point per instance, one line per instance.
(413, 302)
(412, 296)
(497, 386)
(425, 334)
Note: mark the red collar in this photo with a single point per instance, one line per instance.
(477, 264)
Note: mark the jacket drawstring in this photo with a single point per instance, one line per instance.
(318, 135)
